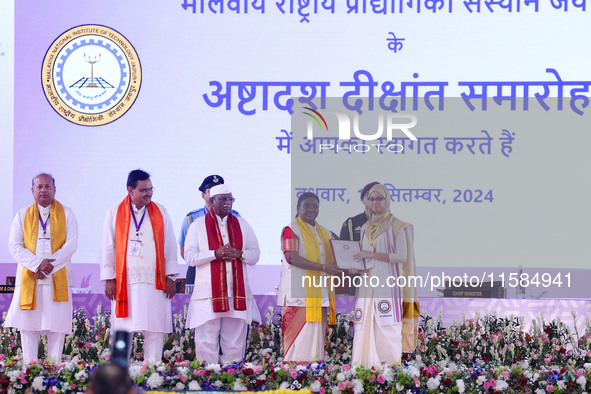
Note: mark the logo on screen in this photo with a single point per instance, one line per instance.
(91, 75)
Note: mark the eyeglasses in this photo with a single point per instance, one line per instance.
(224, 199)
(144, 191)
(376, 199)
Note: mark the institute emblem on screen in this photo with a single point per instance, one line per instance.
(91, 75)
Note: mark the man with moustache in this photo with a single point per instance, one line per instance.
(43, 238)
(208, 183)
(220, 246)
(139, 264)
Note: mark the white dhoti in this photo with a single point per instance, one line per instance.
(150, 313)
(49, 317)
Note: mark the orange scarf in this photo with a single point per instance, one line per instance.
(57, 229)
(122, 223)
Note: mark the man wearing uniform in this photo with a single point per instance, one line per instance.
(208, 183)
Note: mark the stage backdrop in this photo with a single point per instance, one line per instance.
(186, 89)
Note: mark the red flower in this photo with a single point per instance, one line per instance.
(548, 330)
(483, 336)
(485, 358)
(80, 344)
(562, 350)
(456, 343)
(519, 357)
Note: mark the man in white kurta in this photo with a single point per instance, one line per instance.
(148, 308)
(53, 318)
(227, 328)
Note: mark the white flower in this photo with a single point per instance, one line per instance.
(167, 354)
(357, 386)
(135, 371)
(155, 380)
(582, 381)
(461, 385)
(501, 385)
(194, 385)
(183, 370)
(412, 371)
(433, 383)
(238, 386)
(341, 377)
(315, 386)
(399, 387)
(481, 379)
(38, 384)
(81, 376)
(218, 383)
(540, 391)
(213, 367)
(561, 385)
(179, 386)
(587, 366)
(161, 367)
(13, 375)
(283, 386)
(55, 389)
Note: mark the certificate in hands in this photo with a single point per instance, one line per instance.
(343, 254)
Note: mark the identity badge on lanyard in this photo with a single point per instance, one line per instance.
(135, 245)
(43, 243)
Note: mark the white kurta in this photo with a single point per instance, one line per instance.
(149, 309)
(378, 311)
(197, 254)
(48, 315)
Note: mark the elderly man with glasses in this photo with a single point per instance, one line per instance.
(220, 246)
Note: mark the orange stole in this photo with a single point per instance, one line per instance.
(57, 229)
(122, 223)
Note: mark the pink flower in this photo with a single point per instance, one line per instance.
(547, 360)
(372, 379)
(231, 371)
(506, 374)
(486, 385)
(493, 383)
(189, 350)
(458, 356)
(107, 357)
(381, 379)
(201, 372)
(183, 378)
(12, 344)
(88, 345)
(322, 390)
(50, 390)
(73, 386)
(549, 388)
(470, 356)
(342, 385)
(293, 373)
(346, 367)
(258, 369)
(417, 382)
(21, 376)
(23, 380)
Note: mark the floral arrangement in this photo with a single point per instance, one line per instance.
(480, 355)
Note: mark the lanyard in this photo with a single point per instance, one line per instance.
(137, 226)
(43, 225)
